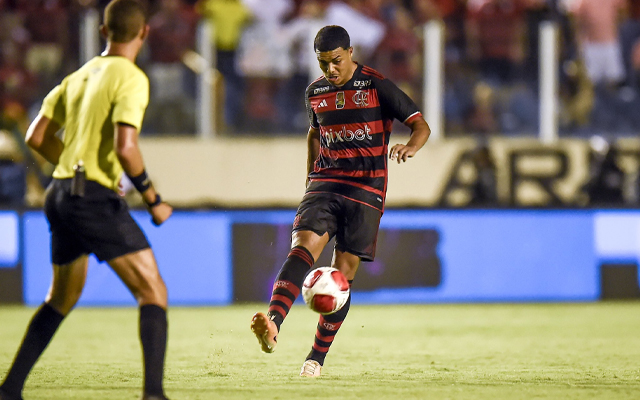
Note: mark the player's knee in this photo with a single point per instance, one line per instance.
(347, 263)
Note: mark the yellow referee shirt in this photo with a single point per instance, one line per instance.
(228, 18)
(88, 103)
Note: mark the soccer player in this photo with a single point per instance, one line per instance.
(101, 107)
(351, 109)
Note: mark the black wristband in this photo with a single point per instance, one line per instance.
(140, 182)
(156, 201)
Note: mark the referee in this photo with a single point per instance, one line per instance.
(100, 107)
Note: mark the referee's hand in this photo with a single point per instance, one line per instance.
(160, 213)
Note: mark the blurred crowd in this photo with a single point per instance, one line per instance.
(264, 60)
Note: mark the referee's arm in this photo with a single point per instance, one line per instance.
(130, 157)
(41, 136)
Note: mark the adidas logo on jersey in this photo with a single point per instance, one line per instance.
(323, 103)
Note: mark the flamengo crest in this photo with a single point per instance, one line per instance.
(361, 98)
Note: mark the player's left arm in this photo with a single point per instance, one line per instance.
(41, 136)
(419, 135)
(397, 104)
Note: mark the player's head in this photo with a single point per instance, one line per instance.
(331, 37)
(124, 21)
(333, 51)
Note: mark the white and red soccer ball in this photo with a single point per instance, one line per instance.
(325, 290)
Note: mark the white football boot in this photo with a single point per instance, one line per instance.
(311, 368)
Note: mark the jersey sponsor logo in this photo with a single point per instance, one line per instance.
(362, 83)
(339, 100)
(361, 98)
(321, 90)
(323, 103)
(347, 135)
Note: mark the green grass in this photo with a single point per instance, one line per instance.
(514, 351)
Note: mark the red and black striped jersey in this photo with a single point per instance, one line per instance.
(355, 121)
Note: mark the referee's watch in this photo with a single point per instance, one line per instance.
(155, 202)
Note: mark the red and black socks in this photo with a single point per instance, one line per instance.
(326, 331)
(286, 287)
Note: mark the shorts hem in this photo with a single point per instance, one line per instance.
(65, 262)
(110, 257)
(363, 256)
(302, 228)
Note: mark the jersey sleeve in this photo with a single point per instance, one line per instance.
(313, 119)
(396, 103)
(53, 106)
(131, 101)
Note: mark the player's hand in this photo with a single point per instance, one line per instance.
(402, 152)
(160, 213)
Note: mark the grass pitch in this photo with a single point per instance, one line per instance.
(492, 351)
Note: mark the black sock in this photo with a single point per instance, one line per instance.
(287, 286)
(41, 329)
(153, 335)
(326, 331)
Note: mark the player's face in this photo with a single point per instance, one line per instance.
(336, 65)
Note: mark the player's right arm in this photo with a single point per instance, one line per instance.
(313, 136)
(130, 157)
(313, 149)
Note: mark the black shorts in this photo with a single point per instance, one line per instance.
(97, 223)
(355, 225)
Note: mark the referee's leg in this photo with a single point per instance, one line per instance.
(66, 288)
(67, 284)
(139, 272)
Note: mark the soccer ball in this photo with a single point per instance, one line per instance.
(325, 290)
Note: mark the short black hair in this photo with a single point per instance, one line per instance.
(330, 38)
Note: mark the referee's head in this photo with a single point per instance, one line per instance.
(124, 20)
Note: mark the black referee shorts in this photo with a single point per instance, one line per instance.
(97, 223)
(355, 225)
